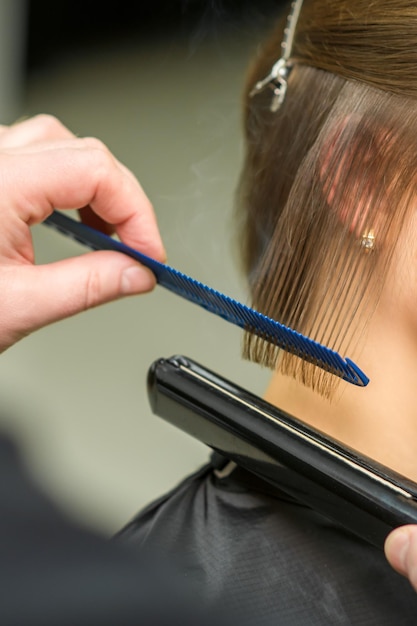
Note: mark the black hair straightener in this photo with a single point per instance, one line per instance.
(360, 494)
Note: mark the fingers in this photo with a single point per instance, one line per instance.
(37, 296)
(401, 552)
(75, 173)
(39, 128)
(98, 181)
(44, 167)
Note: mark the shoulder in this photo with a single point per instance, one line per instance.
(244, 542)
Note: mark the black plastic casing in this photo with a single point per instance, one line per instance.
(362, 495)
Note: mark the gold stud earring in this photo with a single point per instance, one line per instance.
(368, 240)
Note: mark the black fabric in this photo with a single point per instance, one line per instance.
(54, 573)
(246, 544)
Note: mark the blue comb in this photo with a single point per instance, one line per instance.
(217, 303)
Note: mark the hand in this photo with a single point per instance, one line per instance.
(43, 166)
(401, 552)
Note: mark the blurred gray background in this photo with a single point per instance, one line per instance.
(161, 86)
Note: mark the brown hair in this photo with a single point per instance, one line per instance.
(333, 168)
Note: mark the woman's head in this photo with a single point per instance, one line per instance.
(329, 179)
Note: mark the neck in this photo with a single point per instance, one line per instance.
(379, 420)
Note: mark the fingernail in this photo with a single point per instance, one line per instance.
(136, 279)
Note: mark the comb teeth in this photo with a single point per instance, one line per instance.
(218, 303)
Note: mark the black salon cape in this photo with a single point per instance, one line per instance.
(246, 544)
(54, 573)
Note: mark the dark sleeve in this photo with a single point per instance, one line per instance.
(55, 573)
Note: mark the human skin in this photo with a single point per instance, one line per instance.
(401, 552)
(43, 166)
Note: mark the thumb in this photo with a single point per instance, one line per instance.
(401, 551)
(34, 296)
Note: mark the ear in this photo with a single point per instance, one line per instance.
(331, 162)
(349, 151)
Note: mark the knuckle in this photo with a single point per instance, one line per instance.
(49, 124)
(99, 152)
(93, 143)
(93, 290)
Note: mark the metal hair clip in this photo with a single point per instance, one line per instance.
(277, 79)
